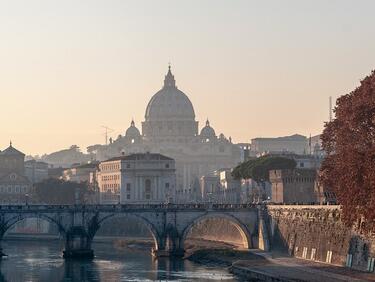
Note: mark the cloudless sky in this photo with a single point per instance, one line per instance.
(254, 68)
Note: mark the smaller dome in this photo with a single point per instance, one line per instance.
(208, 131)
(132, 131)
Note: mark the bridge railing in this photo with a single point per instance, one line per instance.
(119, 207)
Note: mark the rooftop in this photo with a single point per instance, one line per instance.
(86, 165)
(141, 157)
(284, 138)
(11, 151)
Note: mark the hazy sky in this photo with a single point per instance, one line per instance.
(254, 68)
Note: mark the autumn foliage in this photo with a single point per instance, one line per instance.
(349, 141)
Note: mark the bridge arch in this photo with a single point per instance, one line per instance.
(11, 221)
(156, 236)
(234, 221)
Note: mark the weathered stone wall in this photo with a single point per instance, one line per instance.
(317, 233)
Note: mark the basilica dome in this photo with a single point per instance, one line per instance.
(169, 103)
(208, 131)
(132, 131)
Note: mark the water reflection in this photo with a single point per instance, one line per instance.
(167, 269)
(42, 261)
(84, 271)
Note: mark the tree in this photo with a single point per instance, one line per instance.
(60, 192)
(349, 167)
(258, 168)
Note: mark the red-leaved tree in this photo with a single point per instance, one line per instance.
(349, 141)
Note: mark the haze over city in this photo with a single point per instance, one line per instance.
(253, 68)
(196, 140)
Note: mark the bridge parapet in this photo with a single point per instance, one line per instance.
(129, 207)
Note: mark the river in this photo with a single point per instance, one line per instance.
(42, 261)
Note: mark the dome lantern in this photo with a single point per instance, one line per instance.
(169, 80)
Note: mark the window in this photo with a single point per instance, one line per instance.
(167, 185)
(167, 166)
(128, 187)
(127, 165)
(148, 189)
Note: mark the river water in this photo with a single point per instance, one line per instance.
(42, 261)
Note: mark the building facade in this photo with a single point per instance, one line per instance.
(297, 144)
(170, 129)
(293, 186)
(80, 172)
(137, 178)
(16, 178)
(14, 185)
(36, 171)
(220, 187)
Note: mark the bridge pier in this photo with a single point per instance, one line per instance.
(78, 245)
(170, 246)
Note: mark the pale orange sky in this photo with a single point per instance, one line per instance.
(254, 68)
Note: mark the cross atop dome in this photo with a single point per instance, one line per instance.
(207, 122)
(169, 78)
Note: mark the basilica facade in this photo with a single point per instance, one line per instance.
(170, 129)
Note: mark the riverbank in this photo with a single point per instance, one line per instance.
(255, 265)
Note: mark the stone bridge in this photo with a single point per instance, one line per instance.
(169, 224)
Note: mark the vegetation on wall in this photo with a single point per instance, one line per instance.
(258, 168)
(349, 141)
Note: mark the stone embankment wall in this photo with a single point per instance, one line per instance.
(317, 233)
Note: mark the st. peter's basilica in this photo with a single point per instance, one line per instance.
(170, 129)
